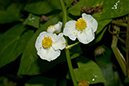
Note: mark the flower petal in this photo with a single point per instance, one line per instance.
(39, 39)
(56, 28)
(48, 54)
(86, 36)
(91, 22)
(70, 29)
(51, 29)
(60, 44)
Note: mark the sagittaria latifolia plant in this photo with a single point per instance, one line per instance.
(48, 44)
(64, 42)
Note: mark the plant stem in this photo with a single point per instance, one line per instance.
(117, 53)
(127, 48)
(67, 51)
(119, 23)
(70, 67)
(70, 46)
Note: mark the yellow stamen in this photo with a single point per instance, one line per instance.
(47, 42)
(81, 24)
(63, 43)
(50, 27)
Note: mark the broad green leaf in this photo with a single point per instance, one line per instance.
(12, 43)
(43, 6)
(106, 66)
(31, 63)
(11, 14)
(68, 2)
(101, 23)
(89, 71)
(41, 81)
(76, 9)
(114, 8)
(32, 20)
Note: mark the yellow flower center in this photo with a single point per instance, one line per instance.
(47, 42)
(50, 27)
(81, 24)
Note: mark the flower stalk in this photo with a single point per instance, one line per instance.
(70, 46)
(67, 51)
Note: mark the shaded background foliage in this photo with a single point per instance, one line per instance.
(21, 22)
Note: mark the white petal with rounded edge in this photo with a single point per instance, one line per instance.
(58, 27)
(91, 22)
(42, 53)
(60, 44)
(48, 54)
(51, 29)
(86, 36)
(70, 29)
(52, 54)
(39, 39)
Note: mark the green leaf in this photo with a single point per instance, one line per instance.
(114, 8)
(99, 36)
(12, 43)
(101, 23)
(43, 7)
(32, 20)
(106, 66)
(31, 63)
(11, 14)
(89, 71)
(76, 9)
(68, 2)
(41, 81)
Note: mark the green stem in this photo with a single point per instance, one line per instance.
(70, 67)
(117, 53)
(69, 46)
(67, 51)
(119, 23)
(127, 48)
(64, 12)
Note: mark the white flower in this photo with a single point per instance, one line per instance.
(83, 29)
(55, 28)
(48, 45)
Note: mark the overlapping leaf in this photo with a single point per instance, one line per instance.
(76, 9)
(89, 71)
(114, 8)
(106, 66)
(12, 43)
(43, 6)
(32, 20)
(11, 14)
